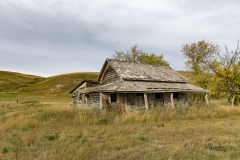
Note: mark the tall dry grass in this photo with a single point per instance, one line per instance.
(58, 131)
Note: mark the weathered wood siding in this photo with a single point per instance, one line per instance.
(74, 98)
(133, 101)
(153, 103)
(121, 98)
(114, 106)
(150, 97)
(110, 76)
(140, 100)
(130, 97)
(87, 100)
(105, 100)
(90, 84)
(181, 99)
(94, 100)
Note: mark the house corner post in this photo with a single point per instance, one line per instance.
(172, 102)
(125, 99)
(135, 100)
(146, 101)
(78, 95)
(206, 98)
(101, 102)
(83, 99)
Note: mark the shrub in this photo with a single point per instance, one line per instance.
(142, 138)
(51, 137)
(84, 140)
(6, 149)
(104, 120)
(25, 129)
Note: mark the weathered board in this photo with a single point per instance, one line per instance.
(110, 76)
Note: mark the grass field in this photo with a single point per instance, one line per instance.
(49, 128)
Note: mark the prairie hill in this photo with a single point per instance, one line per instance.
(12, 81)
(61, 84)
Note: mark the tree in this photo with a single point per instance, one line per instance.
(227, 68)
(136, 55)
(205, 60)
(198, 54)
(152, 58)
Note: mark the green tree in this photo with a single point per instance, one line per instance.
(213, 70)
(136, 55)
(152, 58)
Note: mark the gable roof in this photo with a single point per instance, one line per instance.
(142, 72)
(79, 84)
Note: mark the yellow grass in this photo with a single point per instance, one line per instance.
(47, 130)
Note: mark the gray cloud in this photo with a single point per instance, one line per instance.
(52, 37)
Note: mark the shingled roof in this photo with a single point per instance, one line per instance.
(146, 87)
(143, 72)
(79, 84)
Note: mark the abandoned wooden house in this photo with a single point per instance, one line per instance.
(130, 86)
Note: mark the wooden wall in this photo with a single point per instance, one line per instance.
(110, 76)
(94, 100)
(182, 99)
(133, 101)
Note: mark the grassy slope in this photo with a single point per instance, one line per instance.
(60, 84)
(12, 81)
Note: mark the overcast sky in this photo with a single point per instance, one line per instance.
(51, 37)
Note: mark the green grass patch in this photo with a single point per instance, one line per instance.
(142, 138)
(104, 120)
(51, 137)
(6, 149)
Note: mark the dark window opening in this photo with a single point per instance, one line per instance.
(158, 95)
(139, 94)
(175, 95)
(113, 97)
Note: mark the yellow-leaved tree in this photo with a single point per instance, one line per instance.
(211, 69)
(227, 67)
